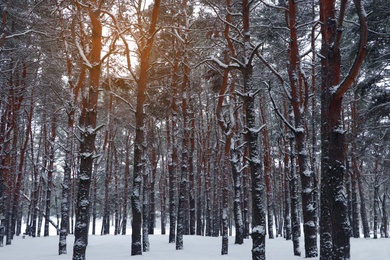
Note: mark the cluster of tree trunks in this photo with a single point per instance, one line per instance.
(214, 128)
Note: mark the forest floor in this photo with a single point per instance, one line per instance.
(112, 247)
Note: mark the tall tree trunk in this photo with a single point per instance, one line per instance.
(107, 189)
(355, 170)
(200, 182)
(192, 183)
(299, 101)
(363, 210)
(225, 207)
(376, 199)
(16, 202)
(295, 223)
(171, 141)
(50, 171)
(185, 141)
(334, 224)
(286, 186)
(173, 160)
(252, 132)
(385, 221)
(163, 185)
(126, 185)
(267, 172)
(152, 179)
(65, 196)
(88, 132)
(145, 211)
(136, 206)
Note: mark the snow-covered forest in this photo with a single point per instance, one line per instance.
(194, 129)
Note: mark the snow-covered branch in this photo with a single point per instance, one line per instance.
(82, 54)
(285, 121)
(25, 33)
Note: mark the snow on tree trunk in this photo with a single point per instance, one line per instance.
(255, 168)
(237, 183)
(334, 223)
(385, 221)
(88, 129)
(363, 210)
(376, 200)
(126, 185)
(192, 183)
(16, 207)
(136, 205)
(286, 185)
(295, 223)
(185, 147)
(66, 185)
(152, 199)
(355, 169)
(267, 172)
(299, 102)
(173, 160)
(145, 211)
(50, 171)
(225, 208)
(180, 213)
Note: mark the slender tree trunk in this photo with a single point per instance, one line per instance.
(192, 183)
(363, 210)
(145, 211)
(200, 200)
(94, 197)
(376, 201)
(126, 185)
(172, 167)
(225, 208)
(185, 145)
(163, 184)
(295, 223)
(152, 180)
(267, 173)
(50, 174)
(136, 206)
(64, 228)
(385, 221)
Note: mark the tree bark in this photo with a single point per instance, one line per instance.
(88, 129)
(295, 223)
(50, 171)
(136, 248)
(334, 224)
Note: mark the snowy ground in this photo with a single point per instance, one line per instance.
(112, 247)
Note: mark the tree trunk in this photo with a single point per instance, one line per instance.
(50, 174)
(172, 167)
(286, 186)
(88, 131)
(376, 200)
(136, 206)
(145, 211)
(185, 145)
(192, 183)
(334, 224)
(385, 222)
(363, 210)
(64, 228)
(295, 223)
(126, 185)
(267, 173)
(225, 208)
